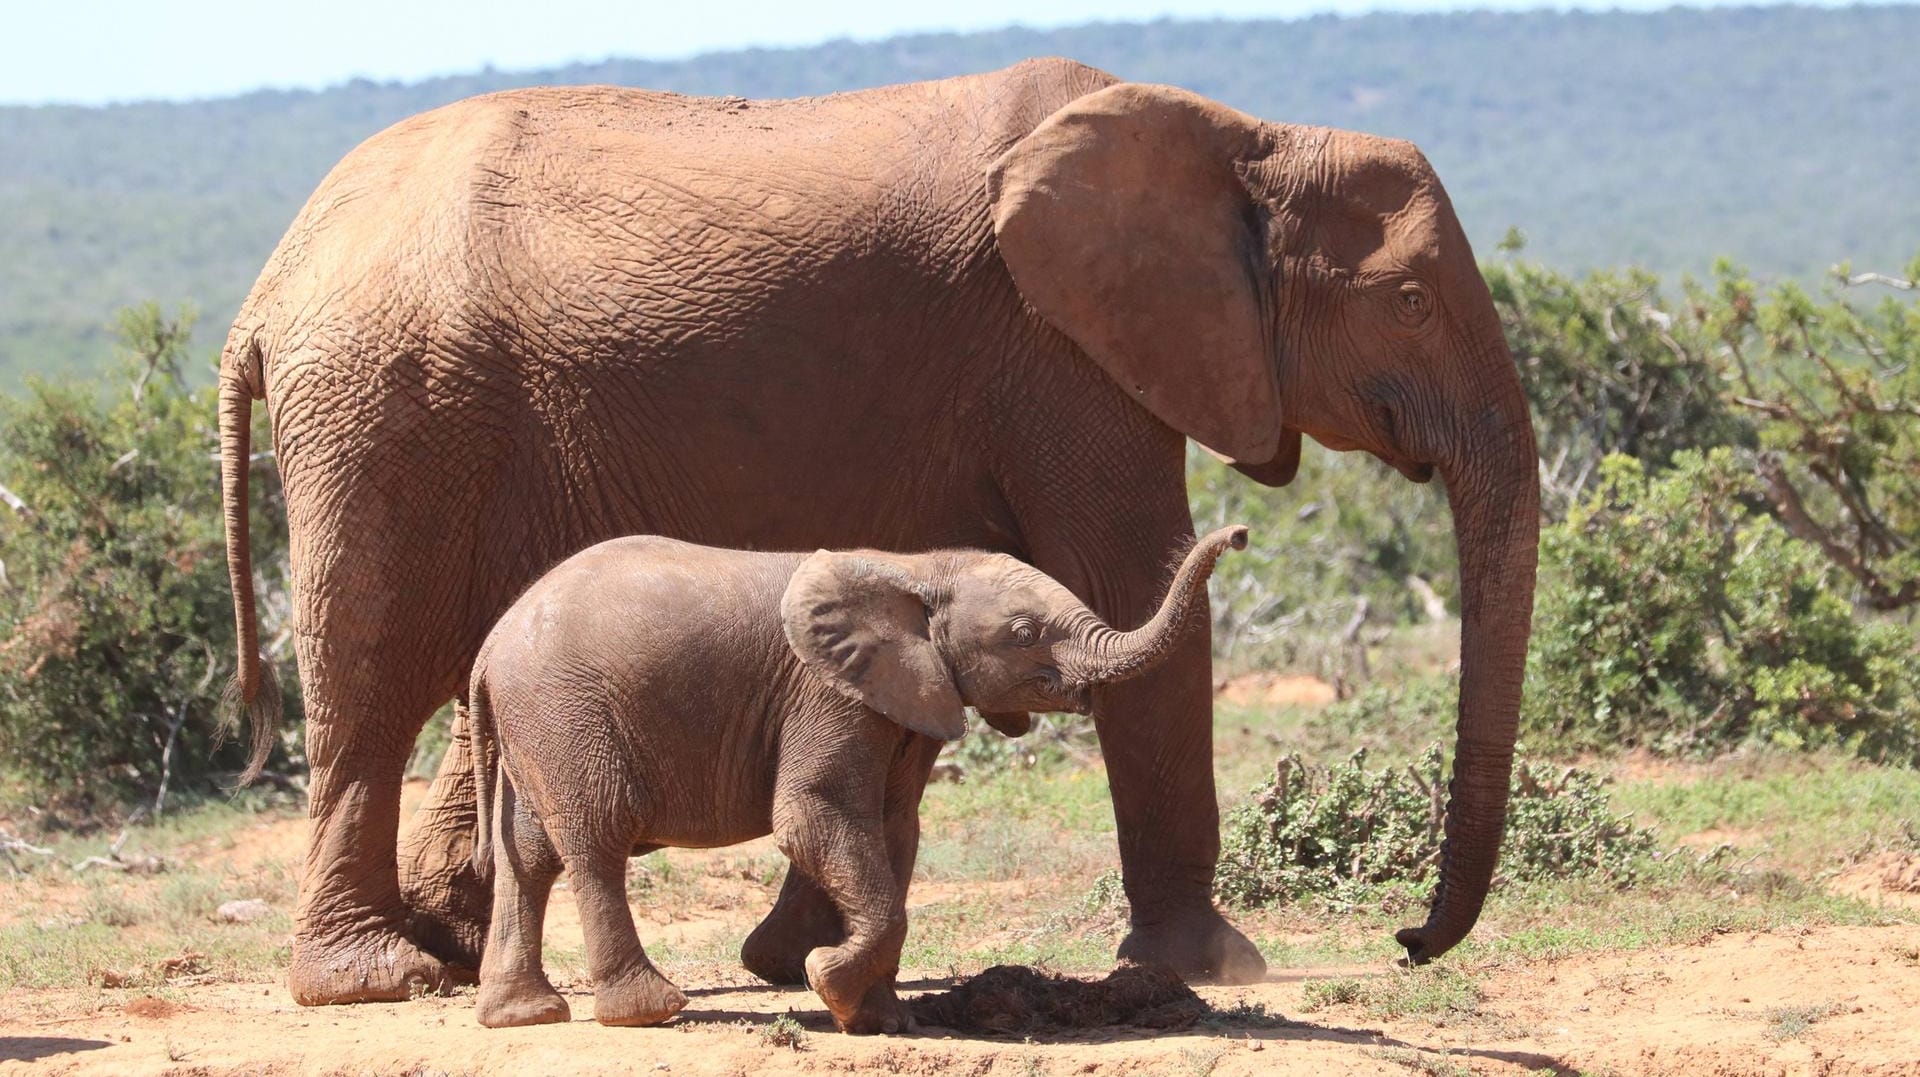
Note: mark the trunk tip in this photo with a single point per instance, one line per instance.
(1235, 537)
(1428, 941)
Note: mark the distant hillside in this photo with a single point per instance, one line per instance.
(1784, 137)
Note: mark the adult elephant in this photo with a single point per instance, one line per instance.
(984, 311)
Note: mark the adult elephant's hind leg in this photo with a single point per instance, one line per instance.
(803, 919)
(447, 904)
(350, 943)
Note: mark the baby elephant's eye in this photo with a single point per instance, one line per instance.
(1025, 631)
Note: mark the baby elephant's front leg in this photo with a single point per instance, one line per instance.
(848, 859)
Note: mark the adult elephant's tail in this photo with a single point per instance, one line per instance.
(254, 689)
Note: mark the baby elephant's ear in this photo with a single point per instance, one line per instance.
(860, 621)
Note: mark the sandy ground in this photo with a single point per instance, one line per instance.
(1708, 1009)
(1829, 1001)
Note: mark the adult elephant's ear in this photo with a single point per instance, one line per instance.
(860, 621)
(1125, 223)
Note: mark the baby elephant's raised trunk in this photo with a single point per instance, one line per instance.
(1105, 654)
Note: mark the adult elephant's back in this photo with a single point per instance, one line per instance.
(607, 218)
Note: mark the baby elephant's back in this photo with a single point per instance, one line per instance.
(680, 630)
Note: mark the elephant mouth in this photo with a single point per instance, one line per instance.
(1421, 473)
(1077, 699)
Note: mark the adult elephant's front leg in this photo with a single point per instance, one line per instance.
(447, 904)
(1156, 732)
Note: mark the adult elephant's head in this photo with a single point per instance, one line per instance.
(1247, 282)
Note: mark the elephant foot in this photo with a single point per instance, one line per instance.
(448, 918)
(448, 907)
(642, 998)
(512, 1003)
(1201, 948)
(777, 949)
(378, 966)
(860, 1005)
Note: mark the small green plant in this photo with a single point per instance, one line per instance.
(1429, 1063)
(1202, 1061)
(1243, 1015)
(1350, 833)
(784, 1031)
(1788, 1022)
(1437, 992)
(1321, 994)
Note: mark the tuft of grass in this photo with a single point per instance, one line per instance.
(784, 1031)
(1243, 1015)
(40, 958)
(1202, 1061)
(1788, 1022)
(1436, 992)
(1430, 1063)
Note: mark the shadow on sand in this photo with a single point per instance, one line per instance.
(35, 1048)
(1079, 1000)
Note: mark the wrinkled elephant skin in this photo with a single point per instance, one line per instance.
(982, 312)
(650, 693)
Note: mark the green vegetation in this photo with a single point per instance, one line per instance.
(1673, 616)
(1777, 135)
(1787, 1022)
(784, 1031)
(1433, 990)
(114, 601)
(1352, 835)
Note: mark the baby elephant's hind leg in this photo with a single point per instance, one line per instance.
(627, 989)
(514, 989)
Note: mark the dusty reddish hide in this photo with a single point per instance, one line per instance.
(1018, 999)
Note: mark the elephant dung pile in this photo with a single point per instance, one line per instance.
(1016, 999)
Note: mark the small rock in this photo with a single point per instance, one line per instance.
(241, 912)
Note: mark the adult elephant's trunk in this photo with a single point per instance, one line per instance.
(1493, 487)
(1103, 655)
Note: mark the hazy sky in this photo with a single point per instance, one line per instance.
(94, 51)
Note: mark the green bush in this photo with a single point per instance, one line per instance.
(1610, 367)
(116, 622)
(1349, 833)
(1675, 615)
(1836, 387)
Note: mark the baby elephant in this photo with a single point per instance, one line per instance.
(650, 693)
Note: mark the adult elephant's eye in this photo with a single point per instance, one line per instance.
(1412, 303)
(1024, 631)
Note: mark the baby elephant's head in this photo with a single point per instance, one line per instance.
(918, 637)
